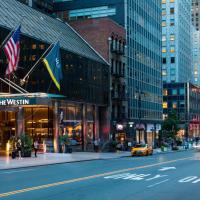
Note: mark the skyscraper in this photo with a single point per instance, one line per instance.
(176, 40)
(195, 57)
(196, 14)
(142, 21)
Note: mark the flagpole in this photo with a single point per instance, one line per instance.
(23, 80)
(11, 32)
(2, 44)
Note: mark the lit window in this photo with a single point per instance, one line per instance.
(42, 46)
(164, 50)
(165, 92)
(196, 72)
(171, 11)
(163, 1)
(163, 12)
(172, 37)
(33, 58)
(174, 105)
(163, 23)
(164, 72)
(33, 46)
(195, 79)
(165, 105)
(171, 1)
(172, 49)
(163, 38)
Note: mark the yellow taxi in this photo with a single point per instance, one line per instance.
(141, 150)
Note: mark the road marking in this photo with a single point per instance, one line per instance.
(158, 183)
(166, 168)
(188, 179)
(17, 171)
(155, 177)
(86, 178)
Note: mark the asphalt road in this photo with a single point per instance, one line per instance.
(171, 176)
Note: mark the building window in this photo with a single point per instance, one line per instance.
(196, 72)
(165, 105)
(164, 49)
(164, 72)
(34, 46)
(165, 92)
(182, 104)
(172, 72)
(174, 91)
(33, 57)
(172, 49)
(163, 1)
(94, 12)
(163, 23)
(195, 79)
(42, 46)
(171, 11)
(171, 22)
(164, 60)
(163, 12)
(164, 38)
(174, 105)
(181, 91)
(172, 59)
(172, 37)
(171, 1)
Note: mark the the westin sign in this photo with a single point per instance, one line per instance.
(14, 102)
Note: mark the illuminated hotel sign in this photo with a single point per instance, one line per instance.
(14, 102)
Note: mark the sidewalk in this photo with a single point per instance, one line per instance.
(56, 158)
(7, 162)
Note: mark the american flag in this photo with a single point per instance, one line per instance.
(12, 51)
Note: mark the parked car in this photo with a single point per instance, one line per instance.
(141, 150)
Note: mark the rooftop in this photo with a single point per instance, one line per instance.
(45, 28)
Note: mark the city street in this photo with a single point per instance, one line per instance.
(163, 176)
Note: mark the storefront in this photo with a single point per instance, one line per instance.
(45, 117)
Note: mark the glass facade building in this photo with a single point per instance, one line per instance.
(176, 40)
(183, 98)
(195, 57)
(142, 21)
(79, 110)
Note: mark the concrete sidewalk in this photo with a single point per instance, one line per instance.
(7, 162)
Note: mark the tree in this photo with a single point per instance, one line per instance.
(170, 126)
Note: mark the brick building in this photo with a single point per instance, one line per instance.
(108, 38)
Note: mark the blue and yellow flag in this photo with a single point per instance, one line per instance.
(53, 64)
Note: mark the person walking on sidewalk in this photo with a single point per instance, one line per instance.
(96, 145)
(35, 146)
(19, 148)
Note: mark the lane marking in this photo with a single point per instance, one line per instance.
(158, 183)
(87, 178)
(166, 168)
(17, 171)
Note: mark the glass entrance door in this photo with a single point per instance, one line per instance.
(7, 127)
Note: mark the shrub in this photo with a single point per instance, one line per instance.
(26, 145)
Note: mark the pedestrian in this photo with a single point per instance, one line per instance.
(35, 146)
(19, 148)
(96, 145)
